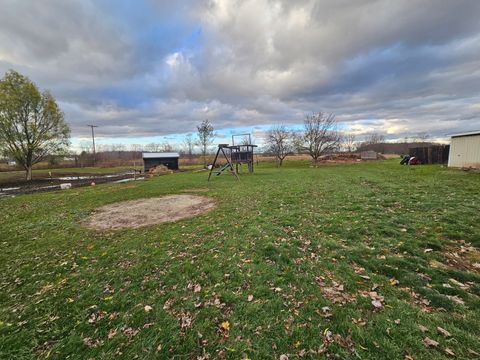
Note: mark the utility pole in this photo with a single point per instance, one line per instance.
(93, 140)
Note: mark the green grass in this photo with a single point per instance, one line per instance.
(282, 235)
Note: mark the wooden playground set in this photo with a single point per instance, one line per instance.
(235, 156)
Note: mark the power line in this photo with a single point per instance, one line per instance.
(93, 140)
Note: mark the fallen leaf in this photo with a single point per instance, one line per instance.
(397, 321)
(409, 357)
(186, 321)
(423, 328)
(225, 325)
(429, 342)
(449, 352)
(250, 298)
(377, 304)
(197, 288)
(112, 333)
(456, 299)
(443, 332)
(148, 308)
(394, 282)
(471, 352)
(283, 357)
(427, 250)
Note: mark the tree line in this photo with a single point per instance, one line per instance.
(32, 128)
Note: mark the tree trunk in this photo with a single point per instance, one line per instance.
(204, 156)
(28, 172)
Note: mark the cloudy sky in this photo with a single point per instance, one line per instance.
(145, 70)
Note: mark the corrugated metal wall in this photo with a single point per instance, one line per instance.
(465, 151)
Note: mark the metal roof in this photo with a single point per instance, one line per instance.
(469, 133)
(159, 155)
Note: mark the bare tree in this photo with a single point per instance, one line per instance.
(205, 136)
(349, 141)
(189, 144)
(153, 147)
(166, 147)
(320, 135)
(279, 143)
(136, 147)
(422, 137)
(374, 138)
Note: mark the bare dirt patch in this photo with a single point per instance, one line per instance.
(143, 212)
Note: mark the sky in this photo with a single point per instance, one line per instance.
(150, 71)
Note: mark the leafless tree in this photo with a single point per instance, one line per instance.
(320, 135)
(422, 137)
(279, 143)
(166, 147)
(153, 147)
(136, 147)
(189, 144)
(349, 141)
(374, 138)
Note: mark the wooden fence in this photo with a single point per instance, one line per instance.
(433, 154)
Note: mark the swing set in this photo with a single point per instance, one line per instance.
(235, 156)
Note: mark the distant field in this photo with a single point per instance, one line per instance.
(357, 261)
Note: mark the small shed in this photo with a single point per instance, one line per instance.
(465, 150)
(152, 159)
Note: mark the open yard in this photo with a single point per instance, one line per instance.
(368, 261)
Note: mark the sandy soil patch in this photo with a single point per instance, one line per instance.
(143, 212)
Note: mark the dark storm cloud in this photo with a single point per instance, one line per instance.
(159, 67)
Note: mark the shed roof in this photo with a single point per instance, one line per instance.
(469, 133)
(160, 155)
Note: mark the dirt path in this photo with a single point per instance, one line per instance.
(143, 212)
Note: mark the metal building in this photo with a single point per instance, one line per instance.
(152, 159)
(465, 150)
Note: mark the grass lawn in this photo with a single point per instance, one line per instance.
(349, 261)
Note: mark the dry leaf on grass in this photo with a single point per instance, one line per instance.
(112, 333)
(443, 332)
(423, 328)
(335, 293)
(456, 299)
(449, 352)
(429, 342)
(186, 321)
(394, 282)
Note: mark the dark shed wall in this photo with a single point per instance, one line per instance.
(435, 154)
(171, 163)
